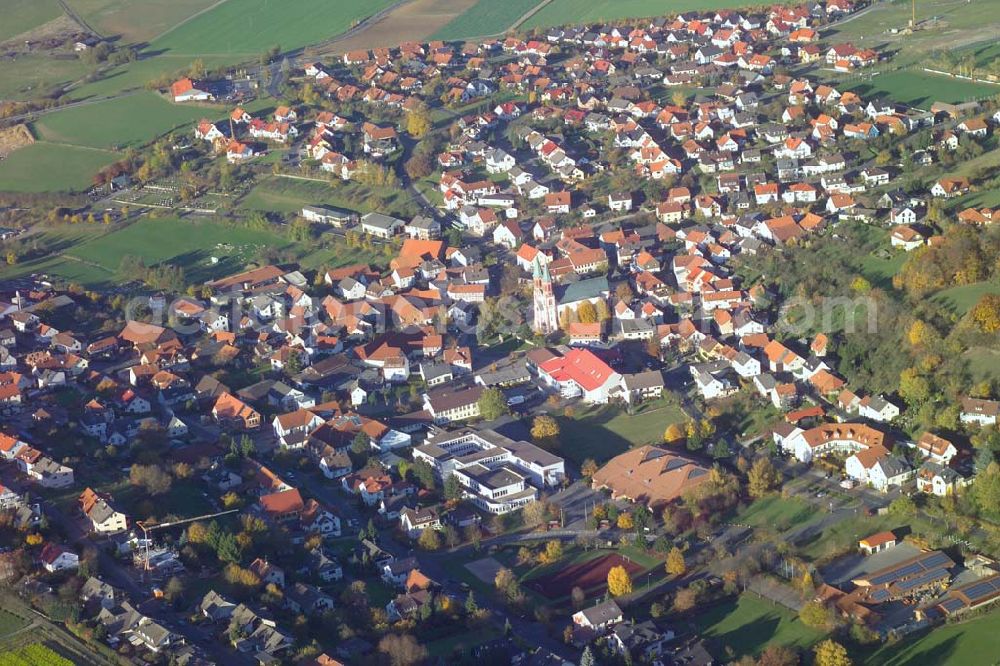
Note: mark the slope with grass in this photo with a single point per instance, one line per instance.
(23, 15)
(133, 120)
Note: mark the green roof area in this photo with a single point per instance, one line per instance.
(584, 289)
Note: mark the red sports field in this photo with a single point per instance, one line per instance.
(585, 575)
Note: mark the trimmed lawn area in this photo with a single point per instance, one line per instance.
(777, 512)
(23, 15)
(921, 89)
(45, 167)
(602, 432)
(117, 123)
(748, 624)
(486, 17)
(249, 27)
(968, 643)
(961, 299)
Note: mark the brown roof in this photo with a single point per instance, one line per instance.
(650, 475)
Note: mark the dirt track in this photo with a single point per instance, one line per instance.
(413, 21)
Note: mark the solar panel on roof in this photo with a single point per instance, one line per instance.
(932, 560)
(952, 605)
(922, 579)
(982, 588)
(878, 596)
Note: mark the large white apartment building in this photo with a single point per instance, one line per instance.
(499, 474)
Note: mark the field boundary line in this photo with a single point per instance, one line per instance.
(528, 14)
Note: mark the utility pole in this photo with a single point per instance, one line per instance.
(913, 19)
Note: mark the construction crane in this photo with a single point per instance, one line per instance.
(146, 529)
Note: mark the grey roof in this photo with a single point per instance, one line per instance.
(643, 380)
(602, 613)
(381, 221)
(584, 289)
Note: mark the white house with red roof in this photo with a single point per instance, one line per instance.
(56, 558)
(581, 373)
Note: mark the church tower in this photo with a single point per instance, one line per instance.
(546, 317)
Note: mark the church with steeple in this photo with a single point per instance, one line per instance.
(546, 315)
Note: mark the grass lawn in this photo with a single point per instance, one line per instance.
(749, 623)
(464, 640)
(275, 194)
(961, 299)
(843, 535)
(921, 89)
(880, 271)
(9, 623)
(249, 27)
(23, 77)
(602, 432)
(133, 120)
(45, 167)
(486, 17)
(971, 642)
(182, 243)
(777, 512)
(91, 255)
(23, 15)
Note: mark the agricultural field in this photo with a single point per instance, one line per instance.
(486, 17)
(560, 12)
(605, 431)
(26, 75)
(749, 623)
(23, 15)
(47, 167)
(921, 89)
(137, 20)
(133, 120)
(416, 20)
(249, 27)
